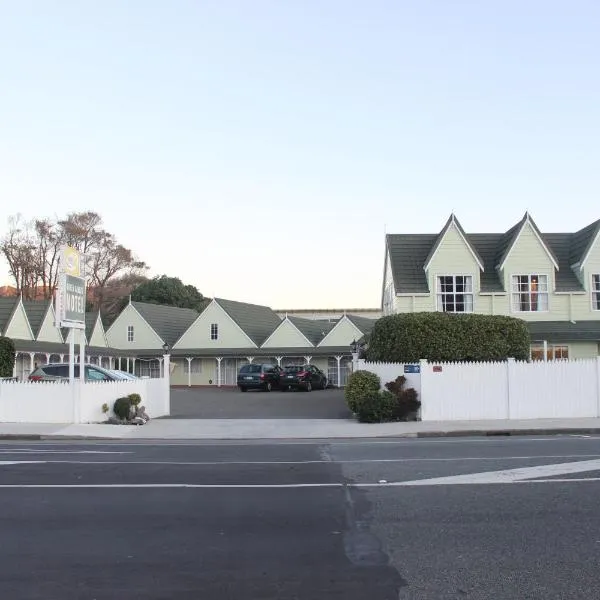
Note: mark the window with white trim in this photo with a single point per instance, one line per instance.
(130, 336)
(214, 331)
(455, 293)
(595, 292)
(530, 293)
(193, 366)
(554, 352)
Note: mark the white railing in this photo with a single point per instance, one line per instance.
(501, 390)
(57, 402)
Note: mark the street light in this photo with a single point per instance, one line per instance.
(166, 348)
(354, 347)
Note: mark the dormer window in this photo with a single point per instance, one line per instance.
(214, 331)
(595, 292)
(455, 293)
(530, 293)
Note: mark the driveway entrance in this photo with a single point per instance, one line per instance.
(230, 403)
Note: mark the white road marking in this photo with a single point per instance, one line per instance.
(509, 475)
(4, 463)
(312, 462)
(36, 451)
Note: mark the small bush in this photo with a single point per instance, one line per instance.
(122, 408)
(360, 384)
(105, 408)
(376, 407)
(406, 401)
(135, 399)
(7, 357)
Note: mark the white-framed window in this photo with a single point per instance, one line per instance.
(529, 293)
(130, 336)
(193, 366)
(214, 331)
(554, 352)
(595, 292)
(455, 293)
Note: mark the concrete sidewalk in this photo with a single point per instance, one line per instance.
(244, 429)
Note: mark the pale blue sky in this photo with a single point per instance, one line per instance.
(258, 149)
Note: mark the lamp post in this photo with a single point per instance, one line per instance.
(167, 377)
(355, 348)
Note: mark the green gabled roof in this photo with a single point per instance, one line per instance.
(36, 312)
(8, 306)
(169, 322)
(408, 255)
(256, 321)
(363, 323)
(453, 221)
(314, 330)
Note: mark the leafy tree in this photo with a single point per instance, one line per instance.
(7, 357)
(170, 291)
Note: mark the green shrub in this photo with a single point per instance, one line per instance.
(7, 357)
(135, 399)
(376, 407)
(122, 408)
(445, 337)
(105, 408)
(360, 384)
(407, 403)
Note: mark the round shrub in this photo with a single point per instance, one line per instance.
(361, 383)
(122, 408)
(377, 407)
(7, 357)
(135, 399)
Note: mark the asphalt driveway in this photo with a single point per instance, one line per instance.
(227, 403)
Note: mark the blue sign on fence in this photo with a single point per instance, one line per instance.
(412, 368)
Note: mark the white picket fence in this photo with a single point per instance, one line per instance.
(501, 390)
(56, 402)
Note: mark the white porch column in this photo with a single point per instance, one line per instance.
(339, 370)
(47, 357)
(189, 362)
(133, 359)
(128, 364)
(545, 350)
(31, 360)
(250, 358)
(62, 358)
(219, 359)
(111, 362)
(15, 365)
(100, 361)
(308, 359)
(278, 358)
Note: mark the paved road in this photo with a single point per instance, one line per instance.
(353, 520)
(209, 403)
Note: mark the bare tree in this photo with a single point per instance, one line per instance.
(49, 237)
(20, 251)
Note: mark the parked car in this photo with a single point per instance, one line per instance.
(259, 376)
(306, 377)
(124, 374)
(60, 372)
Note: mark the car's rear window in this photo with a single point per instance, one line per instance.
(251, 369)
(294, 368)
(59, 370)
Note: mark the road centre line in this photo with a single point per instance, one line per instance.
(298, 462)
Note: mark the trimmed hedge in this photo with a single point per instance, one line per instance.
(7, 357)
(445, 337)
(360, 384)
(122, 408)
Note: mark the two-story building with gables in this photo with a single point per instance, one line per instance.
(550, 280)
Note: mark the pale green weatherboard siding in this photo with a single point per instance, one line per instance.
(287, 336)
(97, 338)
(48, 332)
(583, 349)
(208, 372)
(452, 257)
(144, 337)
(18, 327)
(342, 334)
(528, 257)
(198, 335)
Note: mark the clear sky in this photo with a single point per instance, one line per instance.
(260, 148)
